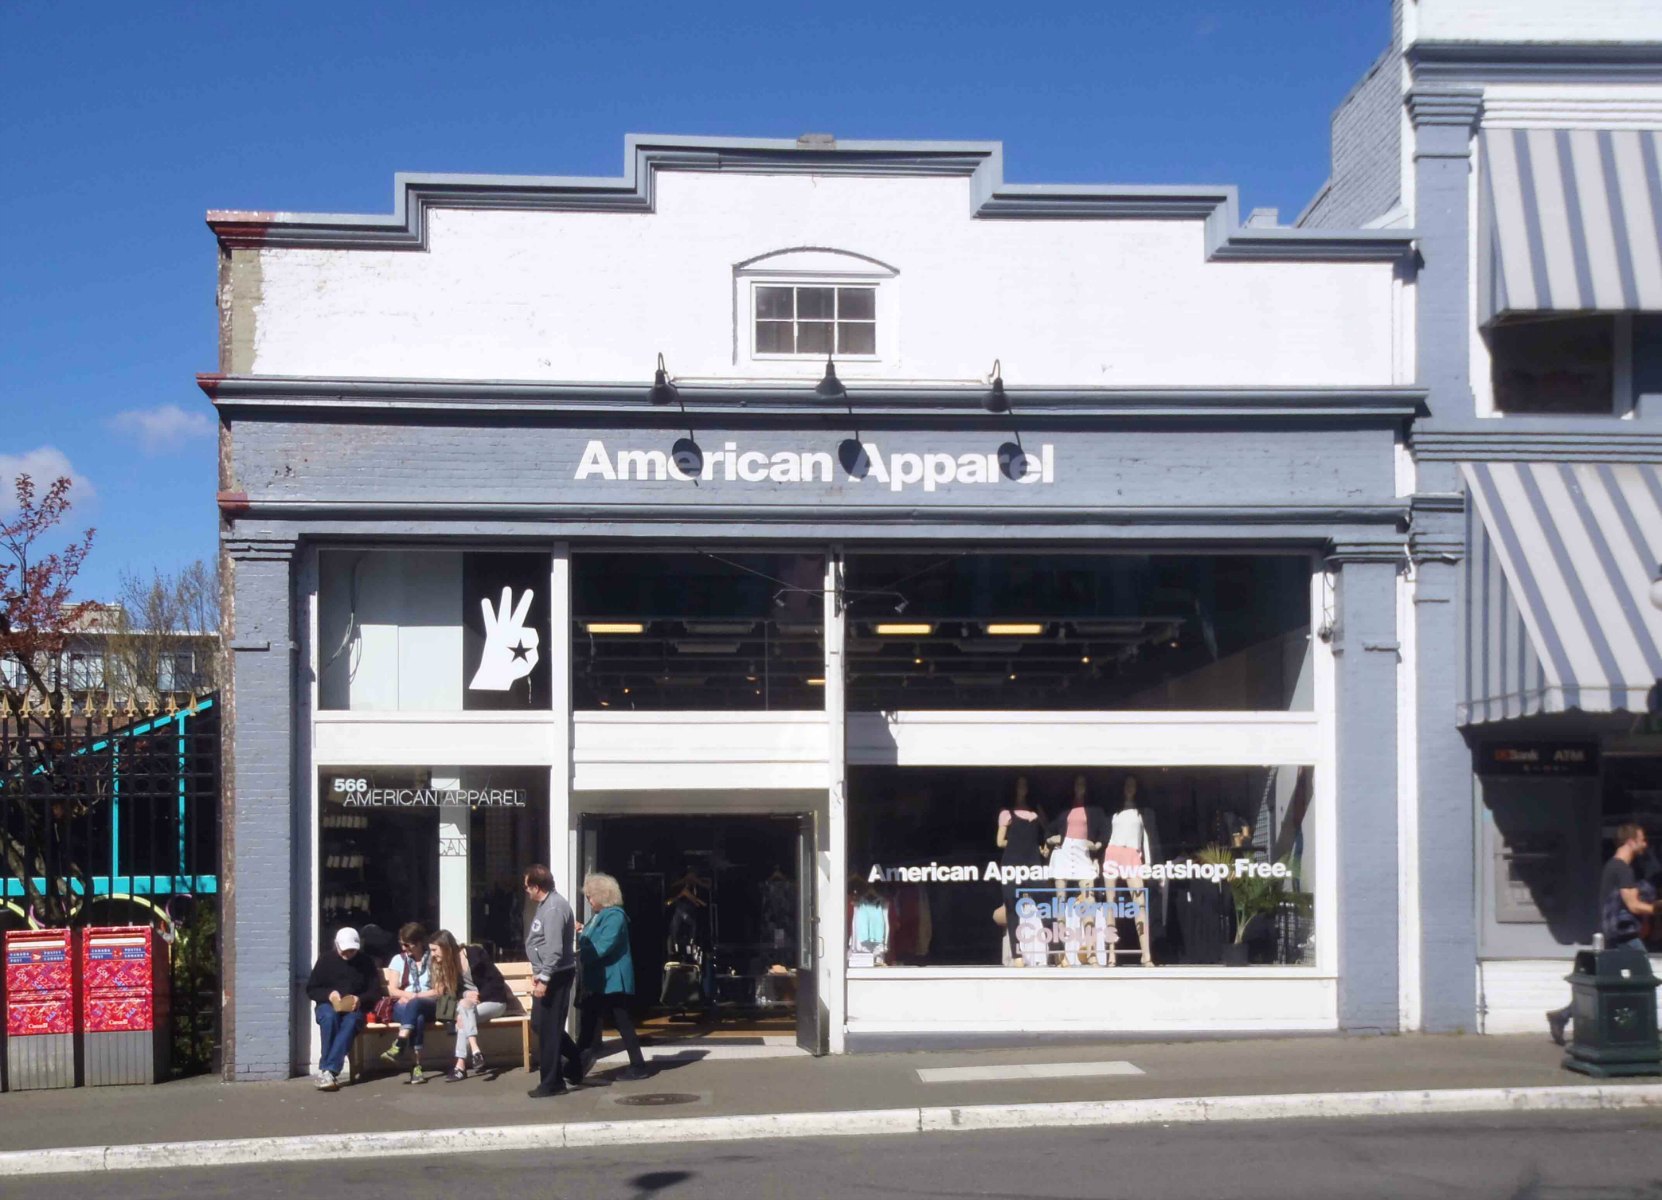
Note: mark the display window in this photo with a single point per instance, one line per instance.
(434, 630)
(1049, 868)
(701, 631)
(440, 846)
(1552, 809)
(1225, 632)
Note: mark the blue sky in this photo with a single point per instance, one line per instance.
(122, 124)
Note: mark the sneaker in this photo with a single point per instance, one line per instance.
(393, 1055)
(477, 1062)
(326, 1082)
(456, 1075)
(417, 1075)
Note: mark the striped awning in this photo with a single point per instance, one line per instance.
(1559, 562)
(1572, 221)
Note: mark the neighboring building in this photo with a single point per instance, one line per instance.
(106, 660)
(1521, 141)
(547, 534)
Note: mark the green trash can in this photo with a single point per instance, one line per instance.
(1614, 1004)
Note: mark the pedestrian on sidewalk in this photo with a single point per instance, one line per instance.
(608, 973)
(550, 947)
(470, 975)
(1624, 908)
(344, 984)
(417, 999)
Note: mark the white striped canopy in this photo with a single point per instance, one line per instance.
(1573, 221)
(1559, 561)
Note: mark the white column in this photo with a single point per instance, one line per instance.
(454, 822)
(833, 849)
(564, 854)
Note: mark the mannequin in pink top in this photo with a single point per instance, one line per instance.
(1077, 835)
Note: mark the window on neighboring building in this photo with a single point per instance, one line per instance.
(175, 671)
(86, 671)
(1560, 365)
(12, 674)
(816, 320)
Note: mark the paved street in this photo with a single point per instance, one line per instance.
(1538, 1157)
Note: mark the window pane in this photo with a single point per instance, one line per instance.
(1078, 631)
(1563, 365)
(687, 632)
(773, 303)
(815, 302)
(1165, 865)
(857, 304)
(856, 338)
(813, 337)
(774, 337)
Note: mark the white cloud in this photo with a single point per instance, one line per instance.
(43, 465)
(163, 429)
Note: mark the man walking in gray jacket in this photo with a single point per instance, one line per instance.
(550, 945)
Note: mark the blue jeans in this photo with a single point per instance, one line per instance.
(338, 1030)
(414, 1015)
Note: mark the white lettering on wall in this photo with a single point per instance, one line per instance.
(899, 471)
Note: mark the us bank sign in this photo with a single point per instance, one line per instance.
(854, 462)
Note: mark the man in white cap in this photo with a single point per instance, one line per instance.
(344, 985)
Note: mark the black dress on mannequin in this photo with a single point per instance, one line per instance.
(1023, 837)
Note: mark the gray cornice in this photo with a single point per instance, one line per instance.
(763, 515)
(1503, 441)
(414, 195)
(247, 394)
(1445, 106)
(1368, 550)
(1559, 62)
(262, 548)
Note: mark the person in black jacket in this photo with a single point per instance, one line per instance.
(344, 985)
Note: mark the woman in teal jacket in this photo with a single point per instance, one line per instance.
(608, 974)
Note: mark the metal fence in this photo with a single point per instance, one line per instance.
(110, 816)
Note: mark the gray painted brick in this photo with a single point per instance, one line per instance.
(1367, 797)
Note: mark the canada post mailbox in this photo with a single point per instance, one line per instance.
(126, 1017)
(40, 1009)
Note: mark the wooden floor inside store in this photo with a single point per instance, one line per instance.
(663, 1029)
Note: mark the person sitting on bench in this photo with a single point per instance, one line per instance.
(416, 996)
(482, 995)
(344, 985)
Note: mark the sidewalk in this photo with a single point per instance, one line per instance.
(856, 1093)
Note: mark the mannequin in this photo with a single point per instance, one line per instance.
(1021, 832)
(1077, 835)
(870, 932)
(1128, 847)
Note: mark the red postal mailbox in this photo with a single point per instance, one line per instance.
(40, 1009)
(126, 1015)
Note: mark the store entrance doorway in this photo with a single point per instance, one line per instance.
(721, 923)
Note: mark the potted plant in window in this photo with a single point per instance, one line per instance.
(1252, 896)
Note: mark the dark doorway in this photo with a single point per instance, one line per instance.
(715, 919)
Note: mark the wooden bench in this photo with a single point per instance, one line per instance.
(519, 979)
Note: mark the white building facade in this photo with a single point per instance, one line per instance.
(775, 525)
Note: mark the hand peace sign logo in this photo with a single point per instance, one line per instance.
(510, 646)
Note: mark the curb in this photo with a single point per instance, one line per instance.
(859, 1123)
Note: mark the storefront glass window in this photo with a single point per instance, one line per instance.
(1055, 867)
(1060, 631)
(432, 630)
(677, 632)
(430, 845)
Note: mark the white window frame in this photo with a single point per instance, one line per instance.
(816, 267)
(755, 319)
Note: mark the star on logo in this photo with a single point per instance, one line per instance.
(520, 650)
